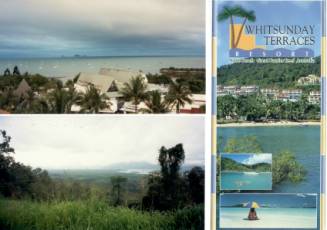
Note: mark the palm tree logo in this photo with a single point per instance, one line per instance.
(229, 12)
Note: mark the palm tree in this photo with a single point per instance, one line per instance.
(61, 99)
(178, 95)
(155, 104)
(236, 11)
(93, 101)
(135, 91)
(247, 16)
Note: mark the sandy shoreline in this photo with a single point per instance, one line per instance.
(279, 123)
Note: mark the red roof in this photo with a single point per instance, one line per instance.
(4, 111)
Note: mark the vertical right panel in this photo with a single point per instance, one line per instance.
(269, 113)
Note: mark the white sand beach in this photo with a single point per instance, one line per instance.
(286, 218)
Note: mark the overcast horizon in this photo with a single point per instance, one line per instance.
(45, 28)
(93, 142)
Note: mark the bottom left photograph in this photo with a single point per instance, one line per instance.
(101, 172)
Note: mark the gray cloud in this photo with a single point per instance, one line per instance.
(117, 26)
(95, 141)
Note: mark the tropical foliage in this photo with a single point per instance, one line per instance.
(48, 95)
(155, 103)
(194, 80)
(285, 166)
(93, 101)
(267, 74)
(135, 91)
(178, 95)
(256, 107)
(231, 165)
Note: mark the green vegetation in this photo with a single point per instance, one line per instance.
(246, 144)
(231, 165)
(194, 80)
(47, 95)
(258, 108)
(135, 91)
(98, 215)
(93, 101)
(269, 75)
(167, 199)
(285, 166)
(155, 104)
(178, 95)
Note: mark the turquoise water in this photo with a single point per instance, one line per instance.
(246, 181)
(272, 218)
(70, 67)
(304, 142)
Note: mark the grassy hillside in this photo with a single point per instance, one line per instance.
(28, 215)
(231, 165)
(266, 74)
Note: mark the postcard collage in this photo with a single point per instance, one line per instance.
(162, 114)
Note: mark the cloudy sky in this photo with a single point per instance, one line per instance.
(65, 142)
(47, 28)
(250, 159)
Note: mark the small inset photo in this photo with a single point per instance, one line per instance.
(268, 211)
(248, 171)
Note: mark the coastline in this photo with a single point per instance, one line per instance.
(268, 124)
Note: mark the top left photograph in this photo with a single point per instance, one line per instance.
(106, 57)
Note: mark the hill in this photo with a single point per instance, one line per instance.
(231, 165)
(266, 74)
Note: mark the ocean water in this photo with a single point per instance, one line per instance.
(272, 218)
(304, 142)
(70, 67)
(246, 181)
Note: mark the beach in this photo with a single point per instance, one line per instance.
(285, 218)
(246, 181)
(279, 123)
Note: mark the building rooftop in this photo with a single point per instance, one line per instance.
(22, 88)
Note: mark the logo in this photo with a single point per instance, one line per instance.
(249, 40)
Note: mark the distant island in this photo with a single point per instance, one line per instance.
(232, 165)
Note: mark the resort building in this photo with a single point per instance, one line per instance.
(110, 82)
(311, 79)
(270, 93)
(292, 95)
(220, 91)
(22, 89)
(235, 90)
(173, 72)
(198, 101)
(249, 89)
(314, 97)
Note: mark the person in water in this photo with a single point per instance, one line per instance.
(252, 214)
